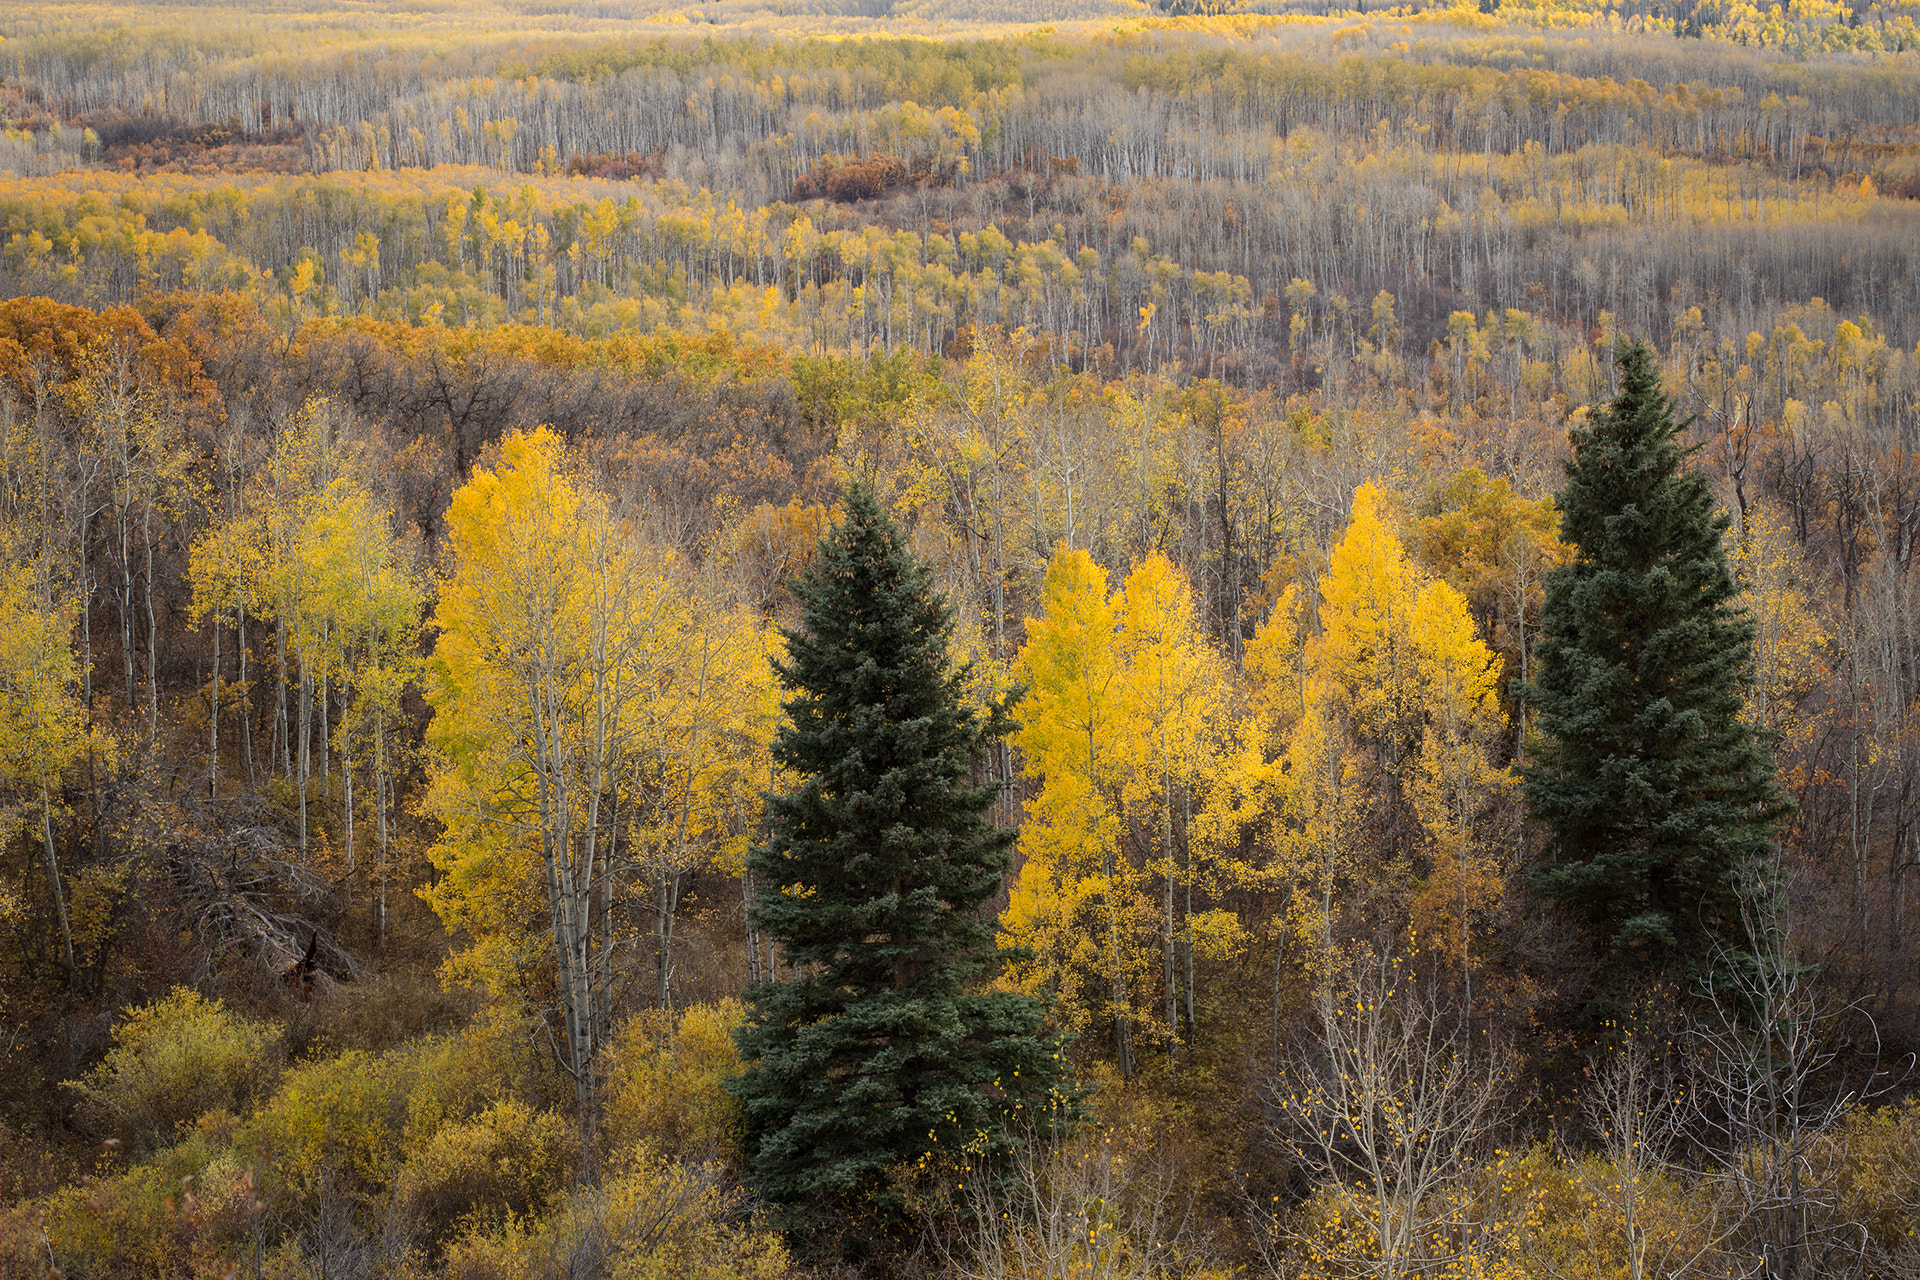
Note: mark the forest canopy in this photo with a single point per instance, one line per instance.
(424, 427)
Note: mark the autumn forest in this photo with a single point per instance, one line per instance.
(430, 438)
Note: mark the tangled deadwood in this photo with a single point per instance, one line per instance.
(247, 893)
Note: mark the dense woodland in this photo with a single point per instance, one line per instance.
(384, 390)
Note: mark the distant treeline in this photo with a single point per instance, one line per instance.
(1161, 193)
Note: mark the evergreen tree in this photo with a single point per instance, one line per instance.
(1655, 791)
(876, 869)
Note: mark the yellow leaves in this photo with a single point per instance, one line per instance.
(1055, 905)
(1247, 794)
(668, 1076)
(1070, 665)
(302, 279)
(1398, 687)
(1120, 690)
(1122, 696)
(1596, 1219)
(41, 726)
(1395, 650)
(535, 595)
(313, 548)
(1272, 658)
(532, 558)
(1460, 674)
(582, 677)
(1217, 934)
(225, 567)
(1487, 541)
(1245, 800)
(1174, 685)
(1454, 781)
(1363, 660)
(1789, 641)
(709, 729)
(357, 595)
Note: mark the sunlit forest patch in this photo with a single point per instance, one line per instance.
(782, 638)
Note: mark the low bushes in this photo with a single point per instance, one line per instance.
(656, 1221)
(173, 1061)
(450, 1155)
(668, 1090)
(509, 1162)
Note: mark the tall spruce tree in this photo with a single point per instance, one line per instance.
(876, 870)
(1655, 791)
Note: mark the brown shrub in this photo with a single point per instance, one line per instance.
(865, 180)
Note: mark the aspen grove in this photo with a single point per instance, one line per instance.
(847, 638)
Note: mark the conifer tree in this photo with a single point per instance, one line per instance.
(1655, 791)
(877, 868)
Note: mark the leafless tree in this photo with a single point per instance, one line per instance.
(1775, 1070)
(1389, 1108)
(1646, 1203)
(1077, 1209)
(336, 1238)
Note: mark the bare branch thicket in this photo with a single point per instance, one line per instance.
(340, 1236)
(629, 1216)
(1776, 1068)
(1649, 1210)
(1081, 1208)
(248, 892)
(1390, 1111)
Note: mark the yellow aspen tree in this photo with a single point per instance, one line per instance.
(309, 455)
(1240, 833)
(533, 682)
(983, 473)
(1796, 656)
(704, 757)
(363, 589)
(1357, 727)
(224, 567)
(1454, 781)
(1400, 712)
(42, 727)
(589, 724)
(1790, 643)
(1074, 902)
(737, 792)
(321, 573)
(1058, 912)
(1363, 660)
(1175, 685)
(1123, 697)
(139, 434)
(1321, 818)
(974, 462)
(1274, 676)
(1497, 548)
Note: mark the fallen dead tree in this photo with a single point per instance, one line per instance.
(247, 892)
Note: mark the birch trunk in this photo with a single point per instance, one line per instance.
(246, 698)
(306, 738)
(346, 787)
(153, 629)
(57, 889)
(753, 933)
(1166, 856)
(380, 827)
(324, 691)
(282, 729)
(213, 719)
(124, 597)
